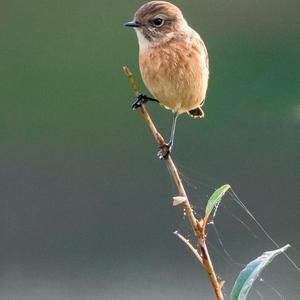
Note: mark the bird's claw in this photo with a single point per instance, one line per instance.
(164, 151)
(140, 99)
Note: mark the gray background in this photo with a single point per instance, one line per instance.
(85, 206)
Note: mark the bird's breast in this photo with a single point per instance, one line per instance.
(176, 73)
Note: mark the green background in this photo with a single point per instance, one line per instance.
(85, 206)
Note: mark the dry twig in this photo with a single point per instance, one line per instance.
(197, 225)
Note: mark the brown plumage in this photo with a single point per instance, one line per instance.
(176, 73)
(172, 57)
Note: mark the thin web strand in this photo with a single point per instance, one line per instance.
(240, 203)
(258, 294)
(271, 288)
(245, 225)
(221, 244)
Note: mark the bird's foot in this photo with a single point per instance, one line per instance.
(164, 151)
(141, 99)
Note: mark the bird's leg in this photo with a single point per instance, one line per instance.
(166, 149)
(141, 99)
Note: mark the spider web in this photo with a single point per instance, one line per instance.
(231, 227)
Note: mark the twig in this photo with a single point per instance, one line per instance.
(197, 225)
(191, 247)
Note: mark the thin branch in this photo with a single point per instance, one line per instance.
(191, 247)
(196, 225)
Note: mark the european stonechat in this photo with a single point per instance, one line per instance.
(173, 62)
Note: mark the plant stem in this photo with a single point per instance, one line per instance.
(197, 226)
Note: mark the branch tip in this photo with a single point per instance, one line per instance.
(126, 70)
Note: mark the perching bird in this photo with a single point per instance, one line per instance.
(173, 62)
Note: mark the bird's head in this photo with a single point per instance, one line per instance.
(157, 22)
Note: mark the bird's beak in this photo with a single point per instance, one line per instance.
(133, 24)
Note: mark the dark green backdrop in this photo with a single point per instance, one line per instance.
(85, 206)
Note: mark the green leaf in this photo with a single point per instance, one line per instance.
(251, 272)
(215, 199)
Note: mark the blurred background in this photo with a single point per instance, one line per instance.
(85, 205)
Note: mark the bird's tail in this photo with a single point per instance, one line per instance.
(196, 113)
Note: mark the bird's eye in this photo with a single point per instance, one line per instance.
(158, 22)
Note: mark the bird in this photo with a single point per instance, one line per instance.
(173, 62)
